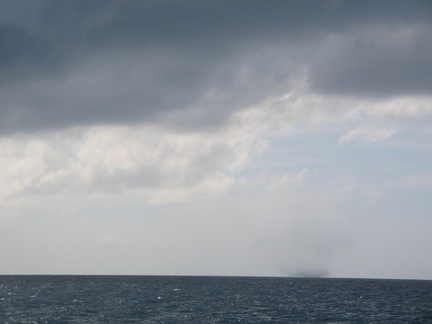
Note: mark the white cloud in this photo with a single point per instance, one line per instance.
(291, 178)
(367, 134)
(164, 166)
(373, 195)
(404, 108)
(178, 166)
(418, 180)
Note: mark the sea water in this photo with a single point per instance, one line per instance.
(170, 299)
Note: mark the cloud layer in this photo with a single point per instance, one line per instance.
(278, 136)
(190, 65)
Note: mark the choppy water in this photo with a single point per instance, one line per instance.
(166, 299)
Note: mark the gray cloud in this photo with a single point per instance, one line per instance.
(190, 64)
(377, 61)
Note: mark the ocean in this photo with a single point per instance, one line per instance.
(184, 299)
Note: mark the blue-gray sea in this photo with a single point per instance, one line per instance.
(184, 299)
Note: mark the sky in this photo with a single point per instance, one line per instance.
(240, 138)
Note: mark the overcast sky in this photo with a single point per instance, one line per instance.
(264, 138)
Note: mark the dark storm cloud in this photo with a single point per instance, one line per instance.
(21, 56)
(67, 63)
